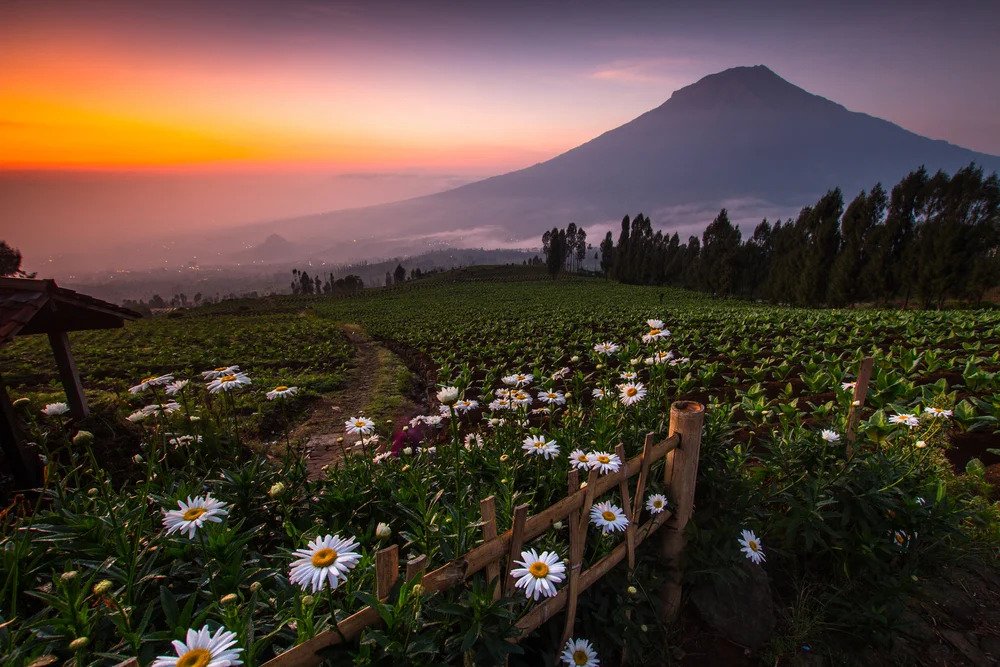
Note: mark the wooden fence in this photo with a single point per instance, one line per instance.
(497, 552)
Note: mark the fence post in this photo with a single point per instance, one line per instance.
(686, 421)
(858, 401)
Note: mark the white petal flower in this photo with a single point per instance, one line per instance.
(359, 425)
(160, 409)
(219, 372)
(448, 395)
(55, 409)
(848, 386)
(830, 436)
(325, 561)
(281, 391)
(604, 462)
(539, 446)
(608, 517)
(657, 331)
(152, 381)
(751, 546)
(203, 649)
(580, 653)
(598, 393)
(904, 418)
(606, 348)
(464, 405)
(175, 388)
(580, 459)
(552, 397)
(656, 503)
(473, 441)
(538, 574)
(228, 382)
(938, 412)
(193, 514)
(631, 393)
(518, 379)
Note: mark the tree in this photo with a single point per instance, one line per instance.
(399, 275)
(10, 260)
(607, 254)
(720, 249)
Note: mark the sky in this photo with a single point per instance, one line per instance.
(129, 118)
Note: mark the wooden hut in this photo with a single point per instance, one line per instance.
(42, 307)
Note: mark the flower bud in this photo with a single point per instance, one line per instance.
(383, 531)
(503, 458)
(418, 589)
(575, 358)
(255, 586)
(276, 489)
(308, 600)
(632, 590)
(407, 450)
(79, 643)
(102, 587)
(558, 525)
(83, 438)
(229, 598)
(68, 576)
(137, 458)
(92, 491)
(448, 395)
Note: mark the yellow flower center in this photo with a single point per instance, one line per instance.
(149, 379)
(539, 445)
(196, 657)
(192, 513)
(360, 423)
(631, 391)
(582, 458)
(608, 515)
(580, 657)
(753, 545)
(900, 539)
(538, 569)
(281, 388)
(324, 557)
(603, 458)
(657, 503)
(228, 378)
(654, 332)
(222, 368)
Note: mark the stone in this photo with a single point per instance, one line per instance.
(741, 611)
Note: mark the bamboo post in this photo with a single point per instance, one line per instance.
(386, 570)
(488, 511)
(577, 542)
(686, 420)
(858, 401)
(516, 542)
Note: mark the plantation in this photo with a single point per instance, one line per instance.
(521, 380)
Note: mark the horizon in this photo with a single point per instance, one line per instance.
(129, 124)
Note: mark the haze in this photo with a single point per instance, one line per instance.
(125, 123)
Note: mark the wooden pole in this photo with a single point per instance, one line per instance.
(68, 374)
(488, 511)
(858, 401)
(686, 420)
(24, 465)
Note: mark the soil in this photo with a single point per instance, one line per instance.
(972, 445)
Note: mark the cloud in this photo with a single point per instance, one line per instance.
(656, 69)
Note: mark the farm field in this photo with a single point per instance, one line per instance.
(847, 534)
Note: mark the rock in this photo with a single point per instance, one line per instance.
(742, 612)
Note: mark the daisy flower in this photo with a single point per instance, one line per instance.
(604, 462)
(193, 514)
(659, 358)
(904, 418)
(606, 348)
(680, 360)
(901, 539)
(752, 547)
(466, 405)
(580, 459)
(656, 331)
(202, 648)
(326, 560)
(608, 517)
(176, 387)
(938, 412)
(560, 374)
(552, 397)
(473, 440)
(359, 425)
(184, 440)
(538, 574)
(830, 436)
(539, 446)
(219, 372)
(55, 409)
(629, 375)
(580, 653)
(160, 409)
(151, 381)
(448, 395)
(501, 404)
(520, 398)
(281, 391)
(137, 416)
(631, 393)
(848, 386)
(228, 382)
(518, 379)
(599, 393)
(656, 503)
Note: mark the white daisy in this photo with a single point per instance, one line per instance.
(203, 649)
(629, 375)
(219, 372)
(631, 393)
(604, 462)
(752, 547)
(55, 409)
(539, 446)
(359, 425)
(552, 397)
(160, 409)
(679, 360)
(151, 381)
(655, 324)
(176, 387)
(560, 374)
(520, 398)
(580, 653)
(656, 503)
(904, 418)
(228, 382)
(473, 440)
(137, 416)
(281, 391)
(659, 358)
(580, 459)
(606, 348)
(938, 412)
(184, 440)
(326, 560)
(538, 574)
(598, 393)
(901, 539)
(448, 395)
(466, 405)
(608, 517)
(830, 436)
(656, 331)
(501, 404)
(193, 514)
(518, 379)
(848, 386)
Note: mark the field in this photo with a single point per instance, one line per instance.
(847, 535)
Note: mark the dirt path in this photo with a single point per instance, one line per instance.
(378, 386)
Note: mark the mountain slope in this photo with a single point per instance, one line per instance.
(744, 137)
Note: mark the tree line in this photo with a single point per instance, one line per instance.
(564, 249)
(303, 283)
(932, 238)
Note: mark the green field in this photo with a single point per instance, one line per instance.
(847, 536)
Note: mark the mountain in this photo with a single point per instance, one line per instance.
(744, 138)
(275, 248)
